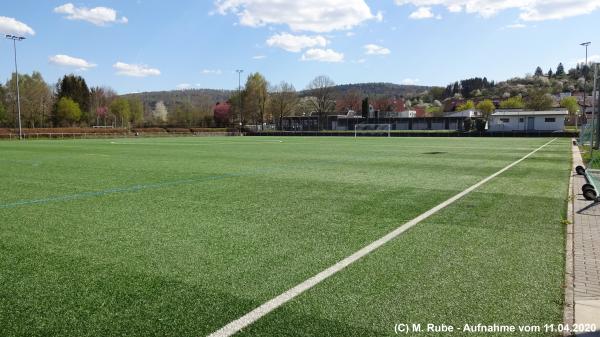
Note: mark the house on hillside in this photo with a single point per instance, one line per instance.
(527, 120)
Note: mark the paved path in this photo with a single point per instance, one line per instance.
(585, 254)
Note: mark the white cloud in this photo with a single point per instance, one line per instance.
(422, 13)
(349, 34)
(12, 26)
(529, 10)
(69, 61)
(296, 43)
(258, 57)
(558, 9)
(307, 15)
(211, 72)
(454, 8)
(322, 55)
(373, 49)
(135, 70)
(516, 26)
(184, 86)
(410, 81)
(99, 16)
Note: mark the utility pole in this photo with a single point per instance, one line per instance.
(240, 71)
(15, 39)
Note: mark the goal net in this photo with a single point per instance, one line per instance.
(372, 130)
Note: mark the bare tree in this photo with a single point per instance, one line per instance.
(322, 89)
(305, 106)
(283, 101)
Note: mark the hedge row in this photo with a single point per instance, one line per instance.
(65, 130)
(7, 131)
(150, 130)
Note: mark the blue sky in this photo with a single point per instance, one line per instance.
(148, 45)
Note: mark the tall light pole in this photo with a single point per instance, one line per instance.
(585, 44)
(15, 39)
(595, 114)
(240, 71)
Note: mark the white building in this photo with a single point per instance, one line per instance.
(522, 120)
(404, 114)
(465, 113)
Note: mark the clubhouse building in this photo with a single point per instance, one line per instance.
(522, 120)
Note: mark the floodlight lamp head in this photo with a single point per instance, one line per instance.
(14, 37)
(585, 44)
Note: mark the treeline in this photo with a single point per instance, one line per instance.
(259, 102)
(185, 107)
(468, 88)
(197, 104)
(379, 89)
(70, 102)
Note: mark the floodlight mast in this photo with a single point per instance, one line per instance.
(240, 71)
(595, 109)
(586, 45)
(594, 114)
(15, 39)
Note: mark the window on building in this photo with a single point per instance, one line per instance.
(504, 120)
(550, 120)
(521, 120)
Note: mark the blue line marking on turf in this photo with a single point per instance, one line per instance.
(134, 188)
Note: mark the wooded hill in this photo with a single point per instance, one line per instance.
(208, 97)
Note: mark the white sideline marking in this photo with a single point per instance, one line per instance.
(265, 308)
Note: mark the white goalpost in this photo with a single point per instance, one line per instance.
(372, 129)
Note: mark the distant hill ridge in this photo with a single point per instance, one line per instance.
(382, 89)
(204, 97)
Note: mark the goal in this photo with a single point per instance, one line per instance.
(372, 130)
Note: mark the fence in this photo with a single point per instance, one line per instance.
(590, 136)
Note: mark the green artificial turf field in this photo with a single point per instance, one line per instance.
(179, 236)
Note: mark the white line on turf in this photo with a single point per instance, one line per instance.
(265, 308)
